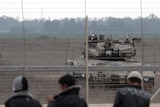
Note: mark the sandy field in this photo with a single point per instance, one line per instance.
(53, 53)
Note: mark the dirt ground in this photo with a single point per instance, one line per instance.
(38, 52)
(54, 53)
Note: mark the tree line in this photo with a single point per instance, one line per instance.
(76, 25)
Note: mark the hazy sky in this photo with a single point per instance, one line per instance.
(56, 9)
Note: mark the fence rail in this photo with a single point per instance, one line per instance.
(78, 68)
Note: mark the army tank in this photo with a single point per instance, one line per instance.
(110, 53)
(109, 49)
(111, 78)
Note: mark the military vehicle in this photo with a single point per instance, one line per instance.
(111, 78)
(110, 53)
(109, 49)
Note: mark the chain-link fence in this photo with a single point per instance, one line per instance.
(44, 54)
(44, 82)
(43, 34)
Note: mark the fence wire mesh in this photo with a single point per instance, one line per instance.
(54, 36)
(45, 83)
(51, 52)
